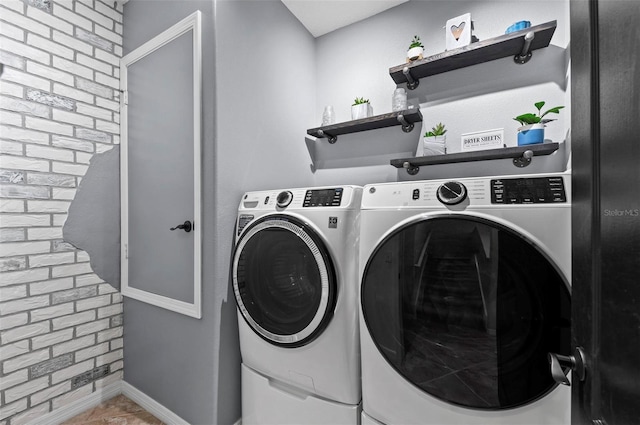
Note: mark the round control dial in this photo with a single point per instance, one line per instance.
(451, 193)
(284, 199)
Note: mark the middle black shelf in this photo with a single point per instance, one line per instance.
(406, 118)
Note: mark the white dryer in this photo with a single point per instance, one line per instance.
(465, 288)
(295, 279)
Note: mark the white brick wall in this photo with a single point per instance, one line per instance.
(50, 127)
(59, 103)
(52, 338)
(75, 345)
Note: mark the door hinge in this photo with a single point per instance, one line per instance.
(125, 97)
(126, 251)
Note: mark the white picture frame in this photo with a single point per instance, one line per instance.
(481, 140)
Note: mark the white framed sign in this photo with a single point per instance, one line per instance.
(481, 140)
(458, 31)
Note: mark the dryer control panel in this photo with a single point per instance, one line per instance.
(534, 190)
(323, 197)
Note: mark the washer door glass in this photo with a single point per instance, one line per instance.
(467, 310)
(284, 280)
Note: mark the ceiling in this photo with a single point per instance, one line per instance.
(323, 16)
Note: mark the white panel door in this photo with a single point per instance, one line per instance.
(160, 170)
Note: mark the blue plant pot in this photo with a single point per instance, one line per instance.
(520, 25)
(530, 137)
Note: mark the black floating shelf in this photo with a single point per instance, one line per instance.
(406, 119)
(520, 159)
(517, 44)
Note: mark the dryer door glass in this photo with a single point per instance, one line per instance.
(467, 310)
(284, 280)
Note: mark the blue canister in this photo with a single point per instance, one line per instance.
(520, 25)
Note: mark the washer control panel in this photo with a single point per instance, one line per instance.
(534, 190)
(323, 197)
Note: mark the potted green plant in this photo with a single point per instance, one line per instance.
(361, 108)
(416, 49)
(532, 130)
(434, 141)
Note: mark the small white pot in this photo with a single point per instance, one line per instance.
(363, 110)
(528, 127)
(415, 53)
(434, 145)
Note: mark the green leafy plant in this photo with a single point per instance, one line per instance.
(360, 101)
(529, 118)
(438, 130)
(416, 42)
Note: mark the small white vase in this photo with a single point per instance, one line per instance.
(399, 100)
(328, 116)
(362, 110)
(434, 145)
(415, 53)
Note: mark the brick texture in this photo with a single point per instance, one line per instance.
(60, 324)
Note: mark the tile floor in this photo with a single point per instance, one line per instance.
(116, 411)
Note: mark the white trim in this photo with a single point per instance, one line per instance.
(172, 304)
(190, 23)
(74, 408)
(103, 394)
(152, 406)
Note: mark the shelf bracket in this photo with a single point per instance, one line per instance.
(412, 83)
(524, 160)
(525, 54)
(330, 138)
(411, 169)
(406, 125)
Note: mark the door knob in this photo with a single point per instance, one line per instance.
(186, 226)
(576, 363)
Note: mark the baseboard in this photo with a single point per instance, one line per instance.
(152, 406)
(75, 408)
(105, 393)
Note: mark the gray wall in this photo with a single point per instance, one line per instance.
(93, 222)
(258, 95)
(171, 357)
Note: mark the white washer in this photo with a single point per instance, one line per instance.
(295, 280)
(465, 288)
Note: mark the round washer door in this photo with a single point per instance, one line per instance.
(466, 310)
(284, 280)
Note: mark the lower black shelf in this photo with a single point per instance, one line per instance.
(517, 153)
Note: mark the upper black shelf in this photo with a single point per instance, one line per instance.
(520, 159)
(512, 44)
(405, 118)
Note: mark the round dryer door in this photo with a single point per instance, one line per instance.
(466, 310)
(284, 280)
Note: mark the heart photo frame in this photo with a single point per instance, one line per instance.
(458, 31)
